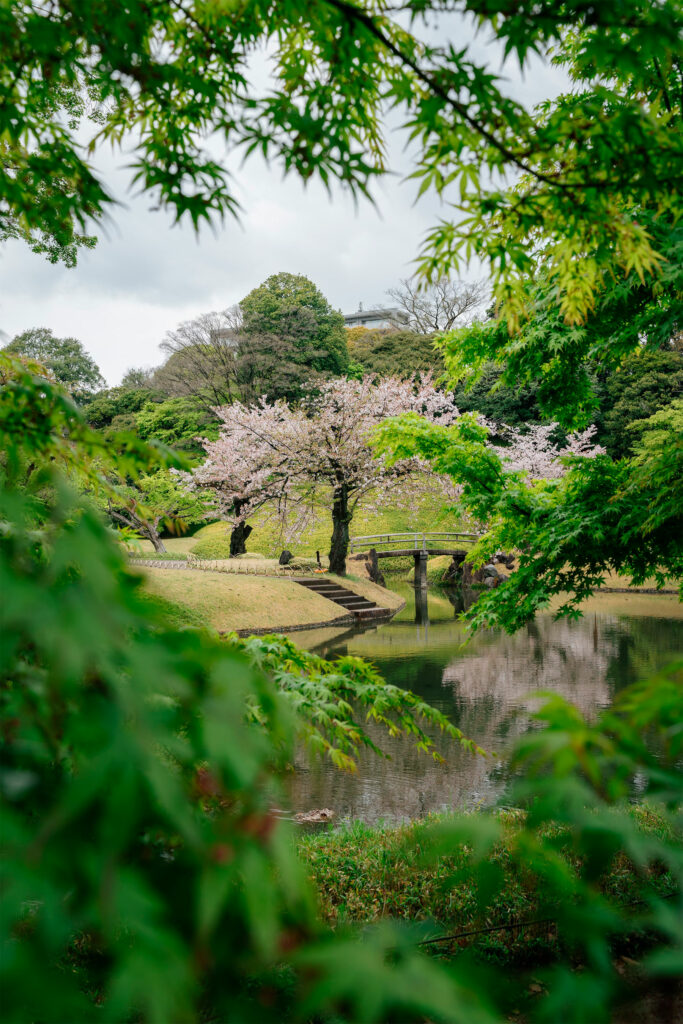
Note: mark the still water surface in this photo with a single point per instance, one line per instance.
(484, 689)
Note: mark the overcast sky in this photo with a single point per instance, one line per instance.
(145, 276)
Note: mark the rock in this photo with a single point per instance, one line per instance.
(286, 557)
(454, 570)
(491, 582)
(489, 570)
(507, 560)
(324, 814)
(470, 575)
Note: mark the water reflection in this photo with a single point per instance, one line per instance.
(484, 689)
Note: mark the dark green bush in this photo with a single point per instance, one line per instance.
(211, 548)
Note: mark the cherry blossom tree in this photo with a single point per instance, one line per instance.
(243, 469)
(319, 450)
(534, 451)
(294, 459)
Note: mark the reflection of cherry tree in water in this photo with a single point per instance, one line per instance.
(484, 689)
(566, 657)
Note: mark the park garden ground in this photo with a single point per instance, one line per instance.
(243, 594)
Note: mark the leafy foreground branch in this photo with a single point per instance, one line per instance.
(573, 877)
(330, 697)
(143, 874)
(623, 516)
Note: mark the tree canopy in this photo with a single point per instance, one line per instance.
(290, 308)
(646, 382)
(65, 358)
(394, 353)
(525, 184)
(562, 361)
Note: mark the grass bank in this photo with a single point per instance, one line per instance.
(226, 602)
(364, 874)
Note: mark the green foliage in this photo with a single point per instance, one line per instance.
(173, 77)
(292, 309)
(656, 482)
(396, 353)
(601, 876)
(213, 547)
(558, 361)
(328, 696)
(65, 359)
(601, 516)
(645, 382)
(364, 873)
(156, 501)
(124, 864)
(178, 423)
(116, 407)
(144, 874)
(574, 779)
(502, 403)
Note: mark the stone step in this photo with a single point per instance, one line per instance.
(359, 606)
(346, 603)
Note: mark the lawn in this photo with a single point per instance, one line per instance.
(266, 539)
(225, 602)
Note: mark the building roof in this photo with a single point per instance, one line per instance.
(376, 313)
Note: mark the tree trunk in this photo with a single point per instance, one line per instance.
(341, 517)
(156, 540)
(238, 539)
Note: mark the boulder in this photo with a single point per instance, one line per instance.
(286, 557)
(489, 571)
(454, 571)
(491, 582)
(470, 575)
(507, 560)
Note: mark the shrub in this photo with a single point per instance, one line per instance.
(436, 569)
(211, 548)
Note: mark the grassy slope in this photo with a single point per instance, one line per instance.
(425, 515)
(225, 602)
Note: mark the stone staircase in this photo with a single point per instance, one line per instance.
(360, 607)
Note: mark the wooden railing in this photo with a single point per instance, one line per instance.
(410, 541)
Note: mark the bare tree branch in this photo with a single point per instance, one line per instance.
(440, 306)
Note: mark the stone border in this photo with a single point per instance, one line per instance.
(633, 590)
(343, 620)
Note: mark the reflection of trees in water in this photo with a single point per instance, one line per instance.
(407, 786)
(569, 658)
(484, 689)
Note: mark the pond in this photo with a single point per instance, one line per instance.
(484, 689)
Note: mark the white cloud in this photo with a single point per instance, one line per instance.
(145, 276)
